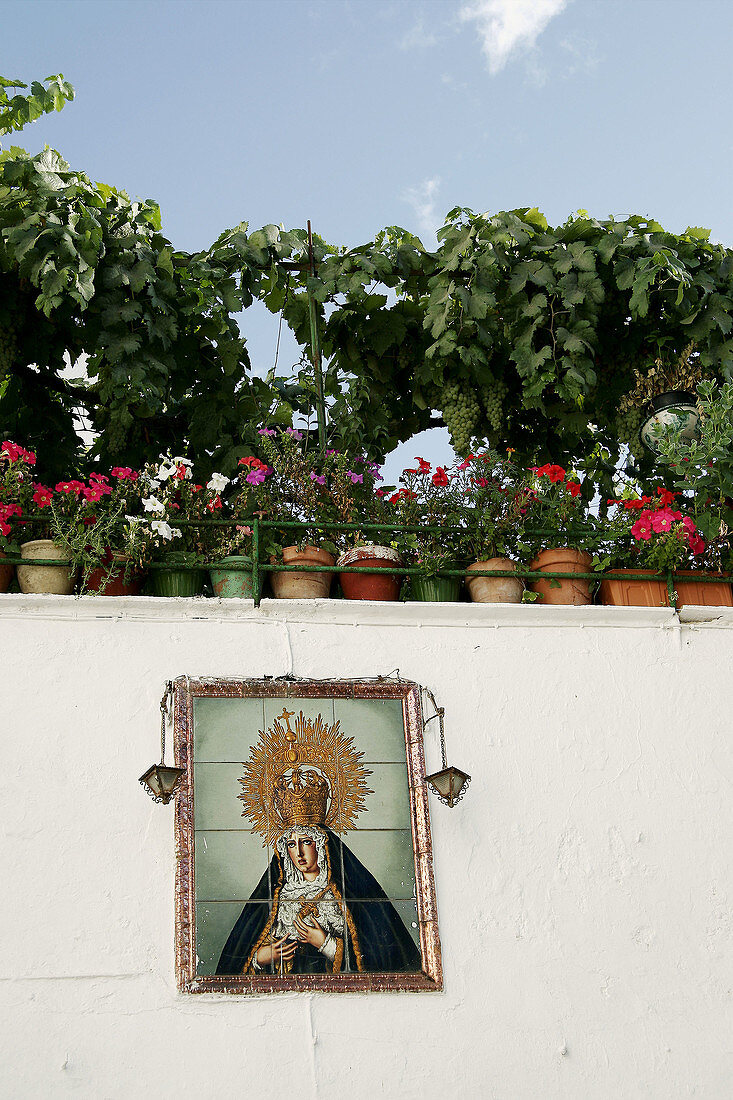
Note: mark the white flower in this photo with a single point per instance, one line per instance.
(182, 461)
(217, 482)
(165, 530)
(152, 504)
(133, 520)
(164, 472)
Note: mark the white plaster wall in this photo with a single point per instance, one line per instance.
(584, 884)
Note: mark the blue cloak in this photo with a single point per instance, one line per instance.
(375, 935)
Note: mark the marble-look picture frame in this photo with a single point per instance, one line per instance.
(303, 838)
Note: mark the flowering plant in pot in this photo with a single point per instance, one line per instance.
(16, 492)
(357, 499)
(169, 494)
(563, 532)
(53, 510)
(496, 491)
(292, 486)
(102, 536)
(434, 501)
(647, 535)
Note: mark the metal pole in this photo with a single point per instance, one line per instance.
(316, 349)
(256, 560)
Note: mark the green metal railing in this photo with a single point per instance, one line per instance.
(260, 568)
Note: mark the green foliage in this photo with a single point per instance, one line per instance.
(512, 331)
(16, 111)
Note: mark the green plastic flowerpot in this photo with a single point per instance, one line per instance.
(228, 583)
(172, 581)
(435, 589)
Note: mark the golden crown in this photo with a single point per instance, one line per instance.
(301, 798)
(292, 774)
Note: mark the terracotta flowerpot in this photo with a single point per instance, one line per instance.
(628, 592)
(228, 583)
(111, 581)
(6, 574)
(495, 589)
(562, 560)
(653, 592)
(380, 585)
(48, 580)
(303, 586)
(700, 594)
(435, 589)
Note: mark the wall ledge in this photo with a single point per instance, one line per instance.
(355, 613)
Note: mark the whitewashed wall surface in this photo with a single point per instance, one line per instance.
(584, 887)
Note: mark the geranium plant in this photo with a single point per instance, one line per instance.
(497, 495)
(17, 492)
(434, 501)
(560, 517)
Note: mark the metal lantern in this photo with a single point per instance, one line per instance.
(449, 784)
(160, 780)
(676, 408)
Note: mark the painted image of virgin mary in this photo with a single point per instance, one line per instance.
(325, 913)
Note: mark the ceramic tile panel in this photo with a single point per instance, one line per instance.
(388, 856)
(376, 726)
(229, 864)
(225, 729)
(216, 801)
(214, 922)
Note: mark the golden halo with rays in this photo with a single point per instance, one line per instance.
(277, 759)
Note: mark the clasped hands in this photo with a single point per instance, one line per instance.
(283, 950)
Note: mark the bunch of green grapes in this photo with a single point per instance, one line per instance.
(492, 397)
(8, 346)
(462, 413)
(628, 423)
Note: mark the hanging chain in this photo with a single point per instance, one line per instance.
(165, 716)
(439, 712)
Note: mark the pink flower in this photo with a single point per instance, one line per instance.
(294, 433)
(267, 431)
(356, 479)
(321, 480)
(124, 473)
(466, 463)
(42, 496)
(98, 479)
(662, 520)
(642, 529)
(255, 477)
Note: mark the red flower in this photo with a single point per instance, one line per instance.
(13, 452)
(481, 482)
(573, 488)
(69, 487)
(98, 479)
(440, 477)
(212, 504)
(409, 471)
(124, 473)
(666, 498)
(90, 521)
(466, 463)
(424, 466)
(555, 473)
(253, 463)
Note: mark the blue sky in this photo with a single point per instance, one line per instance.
(363, 113)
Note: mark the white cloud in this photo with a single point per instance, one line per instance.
(422, 200)
(507, 27)
(417, 38)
